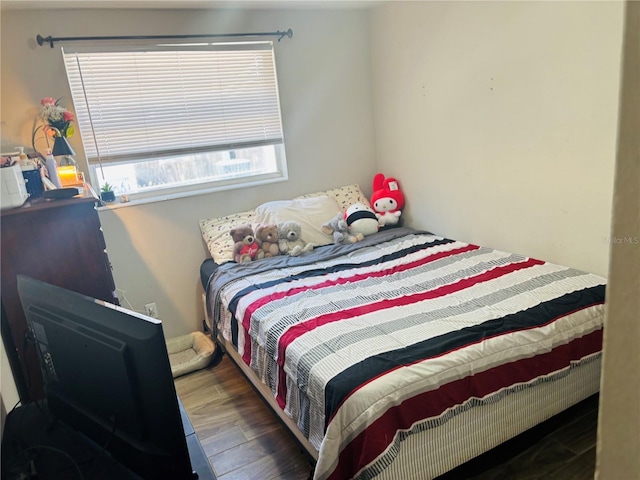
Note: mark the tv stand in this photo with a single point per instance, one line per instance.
(199, 461)
(35, 447)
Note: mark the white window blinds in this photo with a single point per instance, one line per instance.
(145, 103)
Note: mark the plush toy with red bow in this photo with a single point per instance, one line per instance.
(246, 246)
(387, 200)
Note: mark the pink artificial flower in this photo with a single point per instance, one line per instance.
(67, 116)
(48, 101)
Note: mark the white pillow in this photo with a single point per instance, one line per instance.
(344, 196)
(311, 213)
(215, 231)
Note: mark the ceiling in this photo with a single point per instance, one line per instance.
(184, 4)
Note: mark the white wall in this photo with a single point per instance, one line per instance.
(499, 120)
(325, 89)
(8, 391)
(619, 420)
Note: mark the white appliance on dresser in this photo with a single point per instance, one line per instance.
(13, 191)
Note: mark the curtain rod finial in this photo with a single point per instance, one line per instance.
(288, 33)
(40, 39)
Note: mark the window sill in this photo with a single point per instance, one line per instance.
(106, 206)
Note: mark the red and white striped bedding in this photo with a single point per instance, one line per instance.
(367, 344)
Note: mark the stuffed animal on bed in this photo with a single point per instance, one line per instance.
(289, 240)
(338, 227)
(387, 200)
(268, 235)
(361, 220)
(246, 247)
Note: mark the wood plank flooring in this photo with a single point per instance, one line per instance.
(240, 435)
(244, 440)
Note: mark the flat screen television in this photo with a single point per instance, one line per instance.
(107, 374)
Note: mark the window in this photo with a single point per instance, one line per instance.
(170, 119)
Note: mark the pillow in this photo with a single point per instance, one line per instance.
(215, 232)
(310, 213)
(344, 196)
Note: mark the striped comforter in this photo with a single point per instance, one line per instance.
(365, 344)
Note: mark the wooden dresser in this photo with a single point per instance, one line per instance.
(59, 242)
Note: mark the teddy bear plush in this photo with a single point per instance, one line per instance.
(387, 200)
(289, 240)
(246, 247)
(268, 235)
(338, 227)
(361, 220)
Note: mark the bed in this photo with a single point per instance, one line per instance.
(407, 354)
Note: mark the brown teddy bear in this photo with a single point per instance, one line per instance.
(267, 234)
(246, 246)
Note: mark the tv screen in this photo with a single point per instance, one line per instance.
(107, 374)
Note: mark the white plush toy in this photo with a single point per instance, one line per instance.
(289, 240)
(361, 219)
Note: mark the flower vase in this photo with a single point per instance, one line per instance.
(52, 168)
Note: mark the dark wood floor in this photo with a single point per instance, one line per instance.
(243, 439)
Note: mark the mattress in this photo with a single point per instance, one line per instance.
(367, 346)
(207, 269)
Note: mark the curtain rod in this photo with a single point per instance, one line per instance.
(41, 40)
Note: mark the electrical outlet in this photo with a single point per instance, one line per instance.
(151, 309)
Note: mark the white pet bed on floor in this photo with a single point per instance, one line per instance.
(190, 352)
